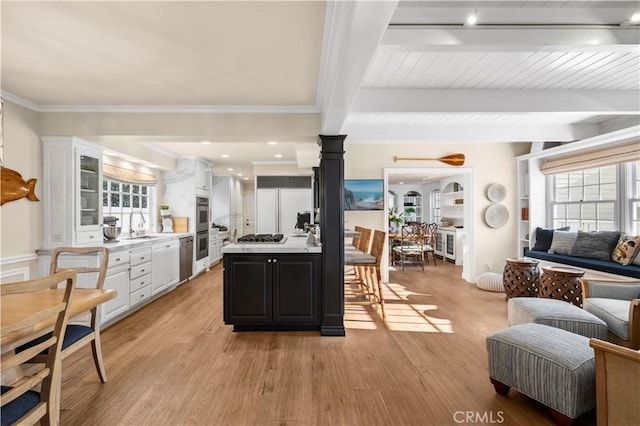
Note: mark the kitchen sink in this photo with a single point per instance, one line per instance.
(141, 237)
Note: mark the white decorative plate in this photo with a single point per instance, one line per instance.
(496, 192)
(496, 215)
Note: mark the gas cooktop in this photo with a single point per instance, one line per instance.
(262, 238)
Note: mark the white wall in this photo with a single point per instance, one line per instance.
(21, 221)
(491, 162)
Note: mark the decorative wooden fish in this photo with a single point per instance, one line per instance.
(13, 187)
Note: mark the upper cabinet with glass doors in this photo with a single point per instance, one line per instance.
(72, 186)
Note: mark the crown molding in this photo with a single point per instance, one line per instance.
(163, 109)
(7, 96)
(181, 109)
(152, 147)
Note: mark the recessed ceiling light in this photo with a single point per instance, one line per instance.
(472, 19)
(272, 143)
(246, 178)
(239, 174)
(229, 169)
(278, 155)
(401, 183)
(635, 17)
(206, 142)
(224, 155)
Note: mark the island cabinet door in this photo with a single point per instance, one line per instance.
(247, 289)
(296, 289)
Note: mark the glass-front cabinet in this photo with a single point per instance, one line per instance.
(72, 187)
(89, 190)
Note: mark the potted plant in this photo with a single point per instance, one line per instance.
(165, 210)
(395, 219)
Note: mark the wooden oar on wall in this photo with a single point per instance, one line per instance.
(453, 159)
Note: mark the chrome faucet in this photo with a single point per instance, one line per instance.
(131, 231)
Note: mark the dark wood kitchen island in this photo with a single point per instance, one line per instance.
(272, 286)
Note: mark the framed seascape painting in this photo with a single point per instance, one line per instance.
(363, 194)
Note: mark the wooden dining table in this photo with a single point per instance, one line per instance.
(16, 307)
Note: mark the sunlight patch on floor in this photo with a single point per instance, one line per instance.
(401, 314)
(361, 317)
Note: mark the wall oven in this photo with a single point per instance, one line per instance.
(202, 245)
(202, 227)
(202, 214)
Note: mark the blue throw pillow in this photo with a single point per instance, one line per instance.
(544, 237)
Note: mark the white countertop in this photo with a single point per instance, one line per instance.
(126, 244)
(295, 243)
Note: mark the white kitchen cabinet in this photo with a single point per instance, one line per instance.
(215, 246)
(165, 265)
(227, 202)
(140, 275)
(117, 279)
(72, 186)
(203, 173)
(450, 244)
(183, 185)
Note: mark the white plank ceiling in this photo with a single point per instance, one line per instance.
(571, 66)
(575, 69)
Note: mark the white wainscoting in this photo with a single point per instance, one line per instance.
(10, 275)
(13, 275)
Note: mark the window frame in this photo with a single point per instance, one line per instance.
(627, 175)
(124, 213)
(436, 205)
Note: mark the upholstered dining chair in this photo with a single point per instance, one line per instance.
(20, 402)
(81, 334)
(410, 250)
(431, 234)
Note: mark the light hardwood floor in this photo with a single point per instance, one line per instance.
(175, 362)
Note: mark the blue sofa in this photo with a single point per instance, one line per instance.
(583, 262)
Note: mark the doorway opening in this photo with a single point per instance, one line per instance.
(434, 194)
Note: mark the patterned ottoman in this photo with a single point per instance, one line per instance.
(553, 366)
(555, 313)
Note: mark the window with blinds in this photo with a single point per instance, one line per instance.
(597, 199)
(122, 198)
(634, 201)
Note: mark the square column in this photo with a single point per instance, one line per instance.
(332, 233)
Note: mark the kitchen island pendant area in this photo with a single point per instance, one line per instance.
(272, 286)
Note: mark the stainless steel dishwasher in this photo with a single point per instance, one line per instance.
(186, 258)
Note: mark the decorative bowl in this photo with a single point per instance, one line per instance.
(111, 232)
